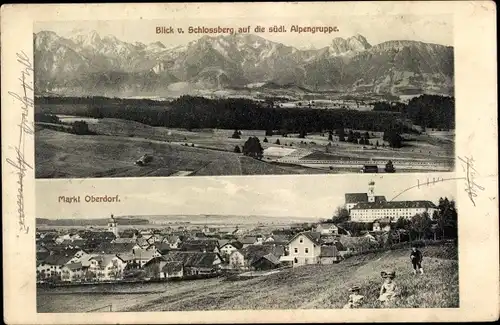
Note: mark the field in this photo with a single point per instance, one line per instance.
(117, 144)
(306, 287)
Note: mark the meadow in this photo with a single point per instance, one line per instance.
(305, 287)
(115, 145)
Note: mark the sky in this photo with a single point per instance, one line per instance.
(311, 196)
(376, 28)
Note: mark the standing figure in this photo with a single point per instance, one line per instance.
(355, 299)
(416, 260)
(389, 289)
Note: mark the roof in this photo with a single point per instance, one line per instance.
(114, 248)
(162, 246)
(145, 254)
(236, 244)
(356, 197)
(172, 267)
(280, 238)
(192, 259)
(199, 245)
(248, 240)
(395, 205)
(327, 226)
(329, 251)
(122, 240)
(313, 236)
(254, 252)
(74, 266)
(104, 259)
(272, 258)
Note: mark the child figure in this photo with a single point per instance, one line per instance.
(416, 260)
(355, 299)
(389, 289)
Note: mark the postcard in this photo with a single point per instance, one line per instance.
(250, 163)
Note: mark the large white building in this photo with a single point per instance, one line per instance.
(370, 208)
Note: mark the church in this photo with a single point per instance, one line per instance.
(113, 226)
(368, 207)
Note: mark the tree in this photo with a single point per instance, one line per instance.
(269, 132)
(277, 141)
(394, 138)
(341, 134)
(81, 127)
(236, 135)
(252, 148)
(421, 223)
(330, 136)
(377, 144)
(302, 134)
(237, 149)
(341, 215)
(446, 218)
(389, 167)
(265, 140)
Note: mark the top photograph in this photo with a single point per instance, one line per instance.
(240, 96)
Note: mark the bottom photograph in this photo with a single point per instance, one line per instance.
(239, 244)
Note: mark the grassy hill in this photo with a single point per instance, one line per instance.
(321, 286)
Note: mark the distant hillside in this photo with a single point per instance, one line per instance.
(89, 222)
(89, 64)
(177, 219)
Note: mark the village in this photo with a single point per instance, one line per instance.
(117, 253)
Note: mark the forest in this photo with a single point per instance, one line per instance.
(238, 113)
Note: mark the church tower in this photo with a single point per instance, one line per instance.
(113, 226)
(371, 191)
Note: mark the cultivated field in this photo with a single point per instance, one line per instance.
(306, 287)
(112, 152)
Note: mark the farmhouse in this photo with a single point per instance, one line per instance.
(196, 263)
(305, 248)
(245, 258)
(327, 228)
(329, 255)
(72, 272)
(230, 247)
(107, 267)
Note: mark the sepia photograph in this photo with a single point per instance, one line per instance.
(141, 98)
(340, 242)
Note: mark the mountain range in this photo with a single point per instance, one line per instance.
(87, 63)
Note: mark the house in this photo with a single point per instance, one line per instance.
(266, 262)
(51, 267)
(72, 272)
(305, 248)
(200, 245)
(124, 240)
(107, 267)
(162, 247)
(230, 247)
(174, 241)
(248, 240)
(114, 248)
(141, 256)
(196, 263)
(172, 270)
(329, 255)
(278, 239)
(327, 228)
(244, 258)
